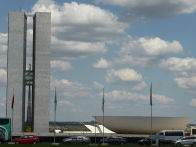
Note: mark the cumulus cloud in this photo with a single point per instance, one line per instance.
(70, 89)
(142, 85)
(3, 43)
(101, 63)
(80, 30)
(131, 61)
(29, 44)
(126, 76)
(60, 66)
(184, 70)
(151, 47)
(123, 75)
(144, 52)
(83, 19)
(192, 102)
(70, 50)
(162, 99)
(118, 95)
(153, 9)
(188, 83)
(181, 66)
(97, 85)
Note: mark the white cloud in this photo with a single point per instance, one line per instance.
(65, 103)
(29, 40)
(83, 19)
(159, 47)
(152, 9)
(184, 70)
(123, 75)
(180, 66)
(126, 76)
(188, 83)
(131, 61)
(151, 47)
(97, 85)
(70, 50)
(102, 64)
(3, 43)
(142, 52)
(80, 30)
(68, 89)
(118, 95)
(3, 76)
(145, 52)
(123, 95)
(192, 102)
(61, 66)
(162, 99)
(140, 86)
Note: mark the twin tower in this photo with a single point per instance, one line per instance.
(38, 77)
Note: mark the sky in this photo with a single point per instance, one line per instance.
(119, 45)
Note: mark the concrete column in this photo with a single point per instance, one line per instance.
(16, 64)
(41, 71)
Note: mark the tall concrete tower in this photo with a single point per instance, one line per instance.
(41, 71)
(16, 65)
(16, 70)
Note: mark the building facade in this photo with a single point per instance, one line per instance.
(16, 65)
(41, 72)
(16, 70)
(142, 124)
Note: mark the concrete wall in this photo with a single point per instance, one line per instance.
(16, 65)
(41, 68)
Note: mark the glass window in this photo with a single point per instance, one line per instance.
(173, 133)
(161, 134)
(193, 131)
(4, 121)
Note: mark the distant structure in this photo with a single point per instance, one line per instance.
(36, 78)
(141, 124)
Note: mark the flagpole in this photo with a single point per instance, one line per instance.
(6, 104)
(95, 131)
(151, 125)
(103, 115)
(12, 124)
(55, 102)
(151, 112)
(12, 114)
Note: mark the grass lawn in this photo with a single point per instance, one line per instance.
(61, 145)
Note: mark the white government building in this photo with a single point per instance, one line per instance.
(142, 124)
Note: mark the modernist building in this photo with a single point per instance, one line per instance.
(16, 70)
(142, 124)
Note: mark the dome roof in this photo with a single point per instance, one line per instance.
(142, 124)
